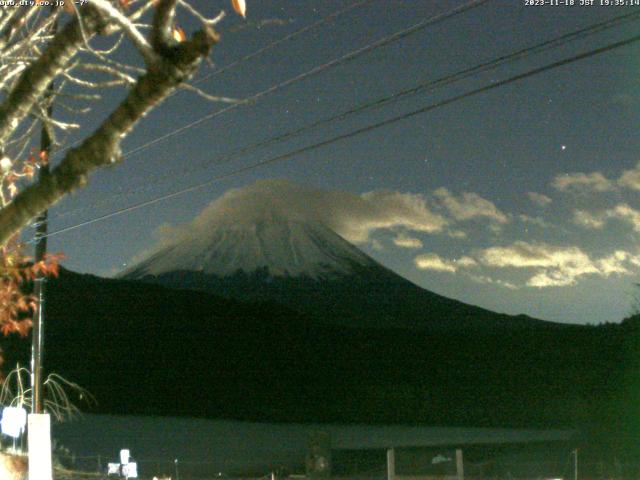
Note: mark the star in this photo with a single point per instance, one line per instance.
(563, 147)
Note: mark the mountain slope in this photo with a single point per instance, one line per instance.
(373, 297)
(277, 256)
(146, 349)
(281, 246)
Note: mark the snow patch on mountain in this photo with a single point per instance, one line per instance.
(254, 229)
(284, 247)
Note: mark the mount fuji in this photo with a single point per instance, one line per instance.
(314, 330)
(252, 245)
(274, 244)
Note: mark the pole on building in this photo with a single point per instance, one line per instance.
(391, 464)
(40, 463)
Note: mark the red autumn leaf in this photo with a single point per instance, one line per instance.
(29, 171)
(179, 35)
(240, 7)
(15, 306)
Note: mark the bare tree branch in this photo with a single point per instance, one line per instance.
(107, 70)
(210, 22)
(162, 32)
(207, 96)
(15, 23)
(103, 146)
(33, 32)
(35, 79)
(8, 16)
(129, 29)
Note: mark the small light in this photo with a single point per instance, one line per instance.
(124, 456)
(5, 164)
(130, 470)
(14, 419)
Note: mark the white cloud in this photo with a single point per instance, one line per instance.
(614, 263)
(539, 199)
(552, 278)
(163, 235)
(622, 212)
(351, 215)
(469, 206)
(539, 221)
(596, 181)
(466, 262)
(555, 266)
(548, 265)
(630, 178)
(588, 220)
(404, 241)
(354, 217)
(360, 214)
(432, 261)
(484, 279)
(526, 255)
(457, 234)
(606, 266)
(582, 182)
(625, 213)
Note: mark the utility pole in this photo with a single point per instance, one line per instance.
(391, 463)
(575, 464)
(39, 423)
(37, 333)
(459, 464)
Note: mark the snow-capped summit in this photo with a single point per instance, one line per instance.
(276, 244)
(267, 226)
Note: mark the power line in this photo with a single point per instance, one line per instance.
(431, 85)
(284, 39)
(356, 132)
(261, 50)
(318, 69)
(394, 37)
(420, 88)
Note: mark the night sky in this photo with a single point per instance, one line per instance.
(522, 199)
